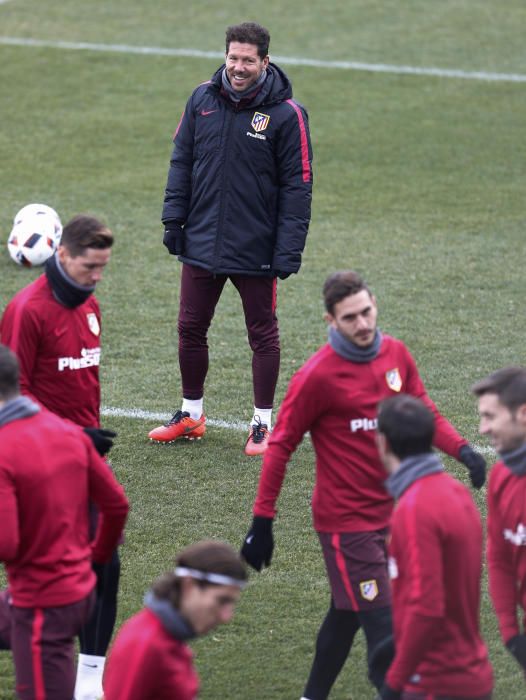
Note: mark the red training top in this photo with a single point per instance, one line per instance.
(58, 349)
(148, 663)
(337, 400)
(49, 470)
(435, 564)
(506, 547)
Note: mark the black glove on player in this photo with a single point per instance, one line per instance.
(102, 439)
(387, 693)
(517, 646)
(259, 544)
(281, 274)
(173, 238)
(476, 465)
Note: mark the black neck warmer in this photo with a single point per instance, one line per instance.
(65, 290)
(515, 460)
(350, 351)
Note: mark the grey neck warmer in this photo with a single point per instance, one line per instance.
(410, 470)
(170, 618)
(236, 96)
(515, 460)
(350, 351)
(14, 409)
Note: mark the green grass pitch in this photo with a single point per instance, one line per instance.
(419, 184)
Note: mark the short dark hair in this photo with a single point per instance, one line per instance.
(9, 374)
(407, 424)
(84, 231)
(341, 285)
(207, 556)
(249, 33)
(508, 383)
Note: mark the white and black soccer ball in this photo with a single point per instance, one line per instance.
(35, 235)
(40, 210)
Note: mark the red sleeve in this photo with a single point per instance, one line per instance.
(9, 531)
(502, 579)
(106, 492)
(297, 414)
(20, 330)
(425, 599)
(446, 438)
(416, 640)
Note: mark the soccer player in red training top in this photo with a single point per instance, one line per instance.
(502, 408)
(335, 396)
(237, 207)
(149, 659)
(49, 472)
(435, 565)
(54, 325)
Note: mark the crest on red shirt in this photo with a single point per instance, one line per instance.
(393, 379)
(93, 323)
(259, 121)
(369, 589)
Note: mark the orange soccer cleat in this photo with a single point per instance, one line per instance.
(258, 438)
(179, 426)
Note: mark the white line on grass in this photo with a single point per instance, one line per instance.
(285, 60)
(140, 414)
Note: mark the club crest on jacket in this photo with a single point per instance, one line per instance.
(259, 121)
(393, 379)
(93, 323)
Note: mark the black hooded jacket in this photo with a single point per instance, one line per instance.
(240, 179)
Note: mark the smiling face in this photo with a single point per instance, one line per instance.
(244, 65)
(506, 429)
(355, 318)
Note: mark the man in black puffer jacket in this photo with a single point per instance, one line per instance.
(237, 206)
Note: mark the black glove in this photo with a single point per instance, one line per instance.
(475, 463)
(259, 544)
(387, 693)
(517, 646)
(102, 439)
(173, 237)
(282, 275)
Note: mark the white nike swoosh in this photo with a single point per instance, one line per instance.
(249, 539)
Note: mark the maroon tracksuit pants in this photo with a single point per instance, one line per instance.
(42, 641)
(200, 292)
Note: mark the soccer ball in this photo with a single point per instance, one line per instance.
(35, 235)
(41, 210)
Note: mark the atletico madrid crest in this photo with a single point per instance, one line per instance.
(393, 379)
(369, 589)
(259, 121)
(93, 323)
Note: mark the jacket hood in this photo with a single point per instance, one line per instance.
(281, 87)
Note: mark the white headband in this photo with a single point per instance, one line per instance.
(220, 579)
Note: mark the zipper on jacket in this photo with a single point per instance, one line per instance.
(226, 150)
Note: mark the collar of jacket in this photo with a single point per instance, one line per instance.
(276, 88)
(354, 353)
(515, 460)
(65, 290)
(19, 407)
(410, 470)
(170, 618)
